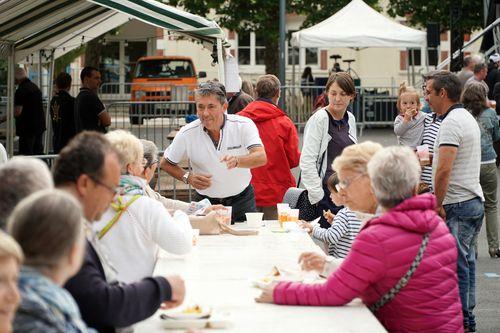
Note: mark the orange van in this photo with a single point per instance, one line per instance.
(162, 79)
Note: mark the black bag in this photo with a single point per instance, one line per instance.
(297, 198)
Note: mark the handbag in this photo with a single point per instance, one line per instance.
(387, 297)
(298, 198)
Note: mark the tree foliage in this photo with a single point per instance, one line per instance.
(420, 12)
(262, 17)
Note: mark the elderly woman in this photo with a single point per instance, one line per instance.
(53, 254)
(327, 133)
(11, 258)
(207, 224)
(474, 99)
(407, 240)
(135, 226)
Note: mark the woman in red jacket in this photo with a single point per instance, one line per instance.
(281, 142)
(408, 240)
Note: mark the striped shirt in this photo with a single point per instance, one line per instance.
(431, 129)
(341, 234)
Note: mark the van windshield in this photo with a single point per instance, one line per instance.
(164, 68)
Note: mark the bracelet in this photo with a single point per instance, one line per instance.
(237, 162)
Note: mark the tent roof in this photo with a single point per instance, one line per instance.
(35, 24)
(358, 25)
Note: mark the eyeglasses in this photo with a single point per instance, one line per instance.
(112, 190)
(344, 184)
(148, 165)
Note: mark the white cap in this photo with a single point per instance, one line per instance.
(495, 57)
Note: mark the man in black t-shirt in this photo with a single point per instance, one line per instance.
(29, 115)
(90, 113)
(62, 113)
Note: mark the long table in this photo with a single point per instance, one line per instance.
(218, 273)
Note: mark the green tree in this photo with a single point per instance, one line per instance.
(262, 17)
(420, 12)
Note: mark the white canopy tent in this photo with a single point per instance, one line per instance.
(357, 25)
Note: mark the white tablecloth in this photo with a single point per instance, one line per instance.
(218, 274)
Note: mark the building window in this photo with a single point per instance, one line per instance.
(415, 57)
(260, 50)
(244, 48)
(312, 56)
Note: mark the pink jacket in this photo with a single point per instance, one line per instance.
(379, 257)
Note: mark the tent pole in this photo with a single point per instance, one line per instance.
(413, 67)
(10, 100)
(40, 82)
(220, 62)
(48, 123)
(408, 65)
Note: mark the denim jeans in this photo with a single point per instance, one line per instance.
(464, 220)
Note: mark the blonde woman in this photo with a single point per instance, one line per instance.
(135, 226)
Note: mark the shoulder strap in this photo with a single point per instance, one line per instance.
(404, 280)
(120, 208)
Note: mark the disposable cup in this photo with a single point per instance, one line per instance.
(254, 220)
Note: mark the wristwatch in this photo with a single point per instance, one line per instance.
(185, 178)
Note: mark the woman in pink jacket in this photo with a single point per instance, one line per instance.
(386, 248)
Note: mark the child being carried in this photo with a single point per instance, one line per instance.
(409, 124)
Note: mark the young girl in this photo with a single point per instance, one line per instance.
(345, 225)
(409, 124)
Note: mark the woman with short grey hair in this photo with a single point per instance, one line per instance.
(397, 257)
(48, 225)
(394, 175)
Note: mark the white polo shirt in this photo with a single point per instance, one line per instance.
(238, 135)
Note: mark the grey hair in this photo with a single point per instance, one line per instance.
(479, 67)
(394, 173)
(46, 225)
(150, 151)
(212, 88)
(21, 176)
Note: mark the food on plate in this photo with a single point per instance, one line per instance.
(195, 309)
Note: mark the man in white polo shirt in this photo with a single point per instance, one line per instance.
(221, 150)
(456, 166)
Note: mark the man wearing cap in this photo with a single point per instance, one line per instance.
(493, 74)
(221, 149)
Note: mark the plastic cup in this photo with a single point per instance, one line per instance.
(423, 155)
(293, 215)
(254, 220)
(196, 236)
(224, 215)
(283, 213)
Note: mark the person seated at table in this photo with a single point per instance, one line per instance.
(11, 258)
(344, 227)
(207, 223)
(21, 176)
(407, 240)
(53, 254)
(88, 168)
(133, 228)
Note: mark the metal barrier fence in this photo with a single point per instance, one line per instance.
(165, 184)
(155, 121)
(154, 111)
(372, 106)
